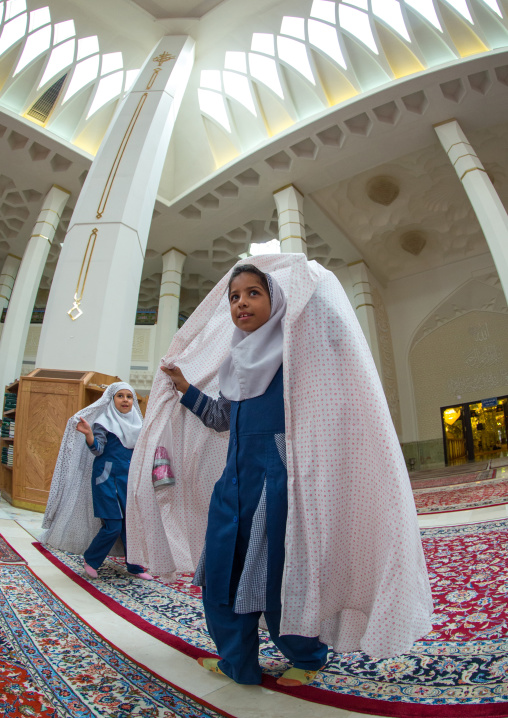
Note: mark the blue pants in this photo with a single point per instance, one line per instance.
(102, 544)
(237, 640)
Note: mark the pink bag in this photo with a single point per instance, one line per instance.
(162, 474)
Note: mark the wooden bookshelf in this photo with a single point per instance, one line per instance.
(6, 472)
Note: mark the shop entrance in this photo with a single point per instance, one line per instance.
(475, 431)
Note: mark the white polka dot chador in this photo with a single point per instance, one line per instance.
(355, 573)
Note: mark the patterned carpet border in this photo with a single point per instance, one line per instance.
(9, 555)
(450, 470)
(44, 670)
(452, 479)
(489, 492)
(355, 683)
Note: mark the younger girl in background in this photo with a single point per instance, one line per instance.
(82, 484)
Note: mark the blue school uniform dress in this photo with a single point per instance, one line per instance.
(109, 494)
(242, 563)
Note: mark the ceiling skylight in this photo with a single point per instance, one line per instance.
(36, 44)
(493, 4)
(323, 10)
(264, 69)
(362, 4)
(263, 42)
(462, 8)
(110, 62)
(293, 26)
(38, 18)
(389, 11)
(63, 31)
(324, 37)
(108, 88)
(212, 104)
(427, 10)
(236, 61)
(211, 80)
(295, 54)
(130, 78)
(12, 32)
(13, 8)
(237, 87)
(87, 46)
(357, 24)
(84, 72)
(60, 58)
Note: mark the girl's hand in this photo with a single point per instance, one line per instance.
(84, 428)
(177, 377)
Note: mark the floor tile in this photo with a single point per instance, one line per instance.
(255, 701)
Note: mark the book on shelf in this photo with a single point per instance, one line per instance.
(7, 429)
(8, 455)
(10, 401)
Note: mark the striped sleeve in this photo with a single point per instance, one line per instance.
(214, 413)
(99, 440)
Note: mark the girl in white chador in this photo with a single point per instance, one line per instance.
(89, 487)
(312, 522)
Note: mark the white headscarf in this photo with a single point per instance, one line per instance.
(125, 426)
(255, 356)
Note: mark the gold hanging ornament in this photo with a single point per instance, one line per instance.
(75, 311)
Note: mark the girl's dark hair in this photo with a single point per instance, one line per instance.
(251, 269)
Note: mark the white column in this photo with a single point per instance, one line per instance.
(488, 208)
(90, 316)
(17, 321)
(169, 301)
(7, 279)
(364, 307)
(289, 202)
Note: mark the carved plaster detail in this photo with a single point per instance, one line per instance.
(141, 345)
(431, 201)
(481, 293)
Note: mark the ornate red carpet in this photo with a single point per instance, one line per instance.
(465, 496)
(54, 665)
(459, 671)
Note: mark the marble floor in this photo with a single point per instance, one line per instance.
(21, 527)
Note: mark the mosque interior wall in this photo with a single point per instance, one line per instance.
(433, 317)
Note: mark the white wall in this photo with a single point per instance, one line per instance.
(417, 304)
(464, 360)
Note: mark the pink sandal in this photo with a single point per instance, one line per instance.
(91, 572)
(146, 576)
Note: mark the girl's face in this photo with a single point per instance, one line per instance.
(123, 400)
(249, 302)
